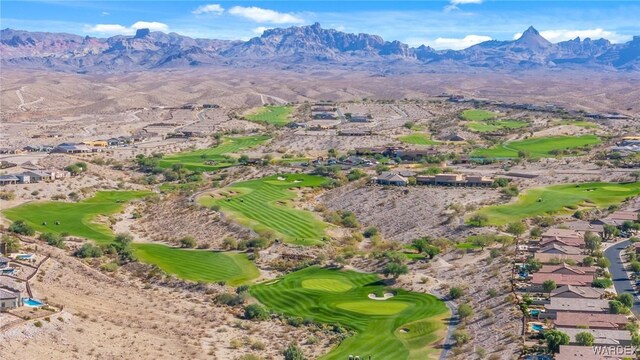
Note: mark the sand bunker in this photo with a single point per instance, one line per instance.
(384, 297)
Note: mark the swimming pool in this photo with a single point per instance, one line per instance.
(534, 312)
(537, 327)
(32, 302)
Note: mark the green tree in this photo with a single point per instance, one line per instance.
(370, 231)
(456, 292)
(610, 231)
(395, 269)
(478, 220)
(243, 159)
(293, 352)
(461, 337)
(22, 228)
(617, 307)
(11, 243)
(465, 311)
(603, 262)
(122, 246)
(420, 244)
(255, 311)
(588, 261)
(516, 228)
(584, 338)
(548, 286)
(635, 266)
(592, 241)
(188, 242)
(89, 250)
(73, 169)
(555, 338)
(601, 283)
(626, 299)
(53, 239)
(533, 265)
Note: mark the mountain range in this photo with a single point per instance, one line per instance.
(304, 47)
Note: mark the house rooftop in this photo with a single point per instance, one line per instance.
(573, 352)
(578, 305)
(582, 291)
(8, 294)
(391, 176)
(582, 225)
(590, 320)
(601, 336)
(569, 250)
(551, 232)
(563, 279)
(578, 270)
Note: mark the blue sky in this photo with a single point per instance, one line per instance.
(440, 24)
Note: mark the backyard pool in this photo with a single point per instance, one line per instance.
(534, 312)
(32, 302)
(537, 327)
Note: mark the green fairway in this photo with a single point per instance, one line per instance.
(478, 115)
(212, 159)
(496, 125)
(333, 285)
(405, 326)
(560, 199)
(77, 219)
(273, 115)
(198, 265)
(536, 147)
(418, 139)
(262, 205)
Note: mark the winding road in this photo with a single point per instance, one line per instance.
(619, 274)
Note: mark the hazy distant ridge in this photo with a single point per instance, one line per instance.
(305, 46)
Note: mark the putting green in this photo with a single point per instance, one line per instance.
(262, 205)
(331, 285)
(77, 219)
(497, 125)
(198, 265)
(377, 323)
(213, 158)
(374, 307)
(418, 139)
(536, 147)
(478, 115)
(560, 200)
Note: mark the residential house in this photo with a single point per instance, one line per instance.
(568, 270)
(584, 226)
(456, 137)
(575, 305)
(591, 321)
(455, 180)
(565, 237)
(8, 179)
(24, 178)
(391, 178)
(38, 175)
(555, 252)
(538, 279)
(354, 132)
(360, 118)
(70, 148)
(414, 154)
(600, 336)
(4, 262)
(9, 299)
(577, 292)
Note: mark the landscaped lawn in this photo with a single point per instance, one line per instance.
(405, 326)
(418, 139)
(580, 123)
(262, 205)
(560, 200)
(496, 125)
(536, 147)
(198, 265)
(77, 219)
(218, 156)
(274, 115)
(478, 115)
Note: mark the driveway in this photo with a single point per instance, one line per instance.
(619, 275)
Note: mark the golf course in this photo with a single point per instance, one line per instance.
(215, 158)
(560, 200)
(77, 219)
(263, 205)
(198, 265)
(418, 139)
(478, 115)
(272, 115)
(536, 147)
(403, 326)
(496, 125)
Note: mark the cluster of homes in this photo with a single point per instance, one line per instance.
(402, 179)
(627, 146)
(11, 298)
(34, 176)
(574, 306)
(81, 147)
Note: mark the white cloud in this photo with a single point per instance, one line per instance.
(117, 29)
(104, 13)
(563, 35)
(208, 9)
(453, 4)
(261, 15)
(259, 30)
(442, 43)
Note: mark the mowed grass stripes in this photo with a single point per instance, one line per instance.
(197, 160)
(199, 265)
(75, 218)
(262, 205)
(405, 326)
